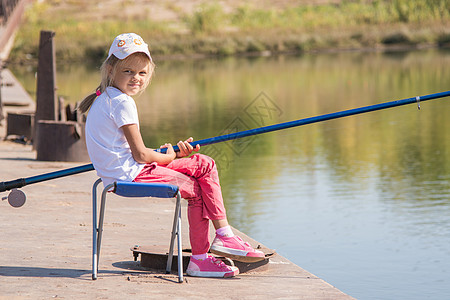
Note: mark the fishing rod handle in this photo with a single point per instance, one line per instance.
(21, 182)
(175, 148)
(13, 184)
(164, 150)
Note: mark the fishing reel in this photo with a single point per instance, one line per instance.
(16, 198)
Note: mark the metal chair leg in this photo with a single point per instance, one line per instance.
(99, 231)
(176, 232)
(180, 248)
(94, 229)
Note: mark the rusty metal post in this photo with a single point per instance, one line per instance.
(46, 103)
(1, 83)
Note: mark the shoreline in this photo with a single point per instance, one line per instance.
(265, 53)
(199, 29)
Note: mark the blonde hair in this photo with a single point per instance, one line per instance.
(108, 71)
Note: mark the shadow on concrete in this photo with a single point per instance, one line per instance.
(13, 271)
(18, 159)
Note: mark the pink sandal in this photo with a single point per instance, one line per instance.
(235, 248)
(210, 267)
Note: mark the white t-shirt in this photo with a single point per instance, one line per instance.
(106, 143)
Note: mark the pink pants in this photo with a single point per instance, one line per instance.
(198, 181)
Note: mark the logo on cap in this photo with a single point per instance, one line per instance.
(126, 44)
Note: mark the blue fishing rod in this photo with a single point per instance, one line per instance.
(18, 183)
(321, 118)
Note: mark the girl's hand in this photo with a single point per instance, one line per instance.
(169, 151)
(186, 148)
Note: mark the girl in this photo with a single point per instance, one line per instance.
(117, 151)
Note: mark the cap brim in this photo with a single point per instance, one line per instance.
(123, 55)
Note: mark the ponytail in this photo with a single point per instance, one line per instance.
(87, 102)
(106, 74)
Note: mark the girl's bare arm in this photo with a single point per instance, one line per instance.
(140, 152)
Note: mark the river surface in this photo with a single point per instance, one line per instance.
(362, 202)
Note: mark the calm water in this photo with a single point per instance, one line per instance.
(362, 202)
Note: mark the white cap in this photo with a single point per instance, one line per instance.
(126, 44)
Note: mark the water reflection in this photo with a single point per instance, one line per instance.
(363, 201)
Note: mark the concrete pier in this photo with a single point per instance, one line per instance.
(45, 246)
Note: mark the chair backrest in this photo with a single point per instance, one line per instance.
(141, 189)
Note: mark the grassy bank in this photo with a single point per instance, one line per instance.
(85, 28)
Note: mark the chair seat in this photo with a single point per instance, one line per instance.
(142, 189)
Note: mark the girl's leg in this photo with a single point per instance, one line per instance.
(220, 223)
(204, 170)
(210, 206)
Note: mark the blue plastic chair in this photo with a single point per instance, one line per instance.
(137, 189)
